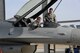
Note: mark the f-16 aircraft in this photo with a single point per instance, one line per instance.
(17, 33)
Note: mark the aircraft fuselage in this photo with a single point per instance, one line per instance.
(59, 35)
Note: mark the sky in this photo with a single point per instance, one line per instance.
(12, 7)
(67, 10)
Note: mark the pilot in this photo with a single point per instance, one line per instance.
(49, 17)
(37, 21)
(35, 24)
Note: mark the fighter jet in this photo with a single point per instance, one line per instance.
(17, 31)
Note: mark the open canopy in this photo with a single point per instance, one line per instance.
(31, 6)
